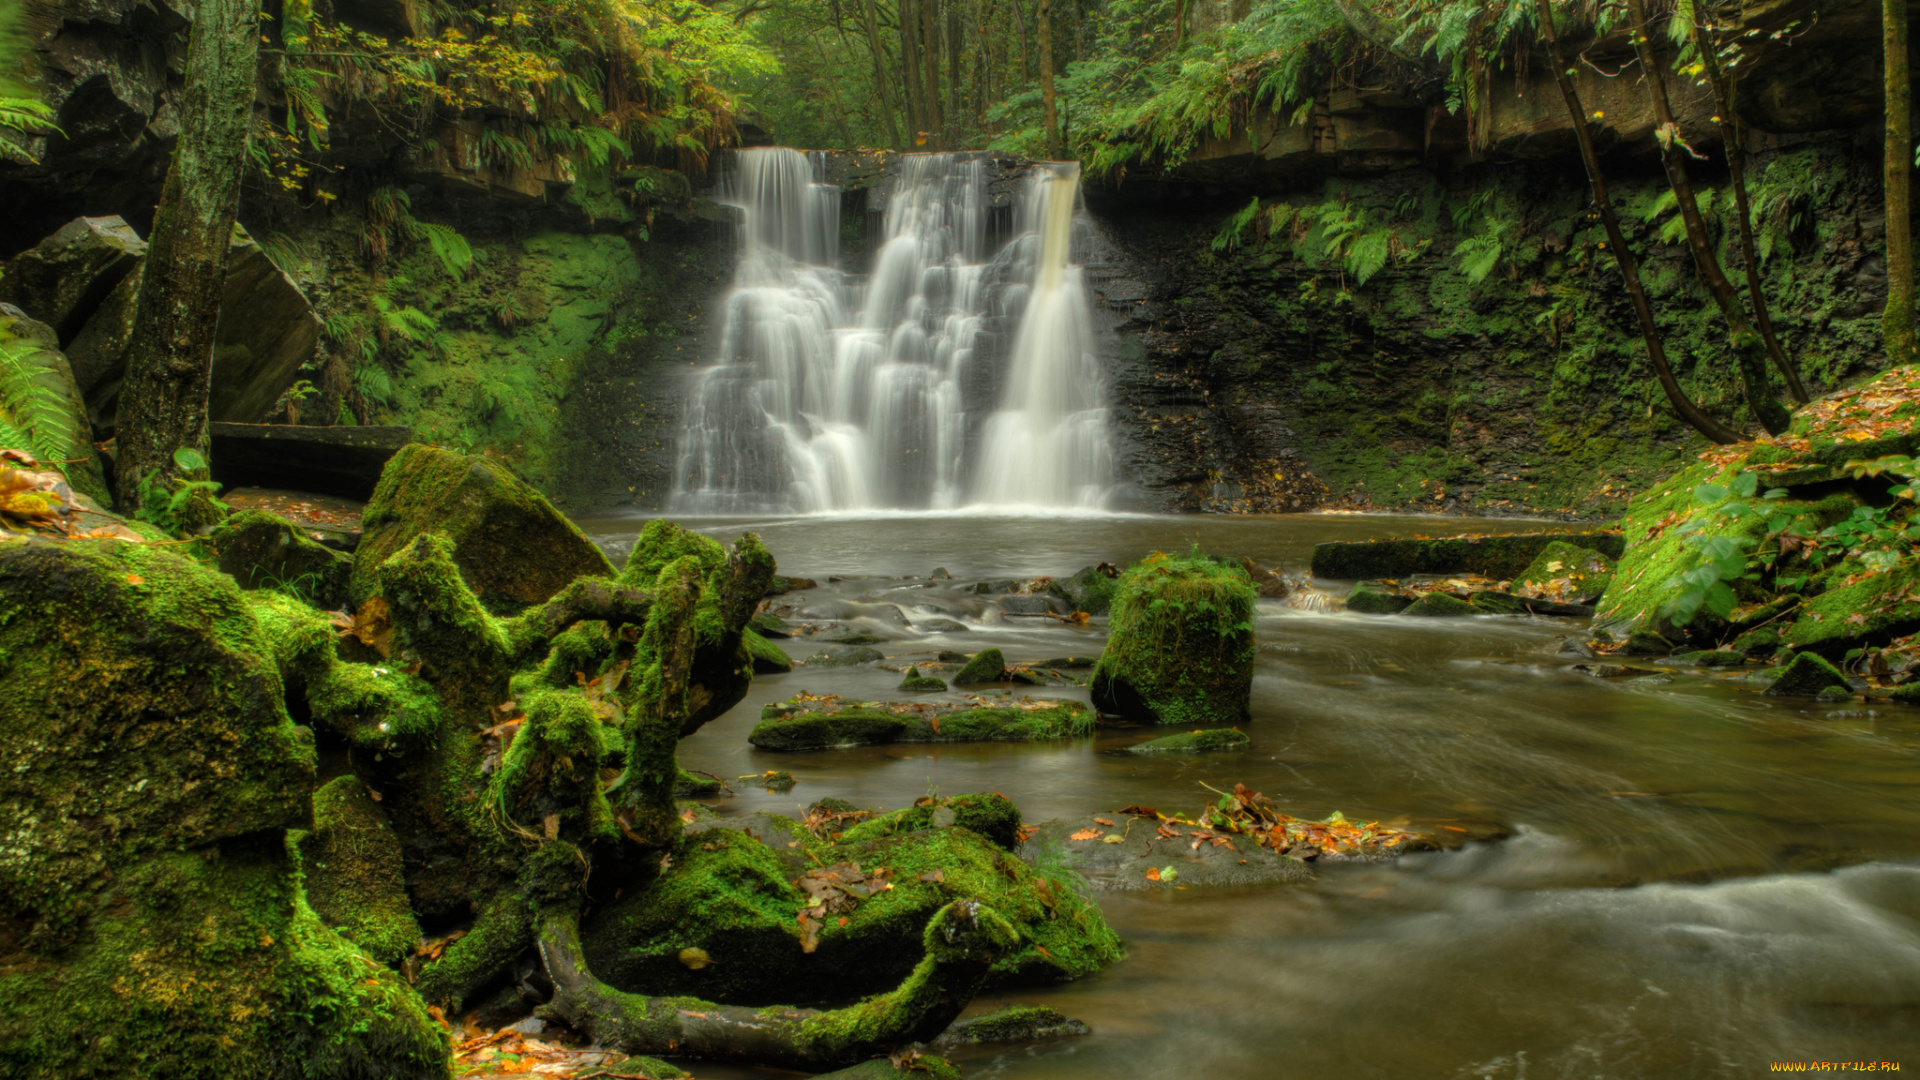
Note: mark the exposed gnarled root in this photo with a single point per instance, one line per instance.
(962, 941)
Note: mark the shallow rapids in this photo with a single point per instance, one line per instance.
(1702, 880)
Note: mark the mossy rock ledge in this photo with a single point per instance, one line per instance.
(1499, 557)
(260, 550)
(1179, 644)
(513, 548)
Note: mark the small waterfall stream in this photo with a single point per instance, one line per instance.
(837, 393)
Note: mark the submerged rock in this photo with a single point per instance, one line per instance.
(1711, 658)
(941, 626)
(1179, 644)
(768, 625)
(1564, 572)
(1089, 590)
(1809, 675)
(844, 656)
(818, 723)
(1194, 742)
(1266, 584)
(513, 548)
(916, 683)
(985, 666)
(1015, 1023)
(1439, 605)
(1372, 598)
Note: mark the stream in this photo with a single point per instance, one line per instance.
(1701, 880)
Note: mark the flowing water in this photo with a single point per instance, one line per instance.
(1702, 880)
(835, 392)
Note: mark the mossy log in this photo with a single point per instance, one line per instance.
(962, 942)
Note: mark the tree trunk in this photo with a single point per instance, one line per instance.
(1745, 342)
(1683, 405)
(163, 405)
(1179, 25)
(956, 38)
(1731, 135)
(881, 84)
(1896, 322)
(1026, 41)
(910, 74)
(930, 55)
(1047, 114)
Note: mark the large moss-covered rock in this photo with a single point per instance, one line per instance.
(1180, 644)
(985, 666)
(1194, 742)
(261, 550)
(733, 895)
(768, 658)
(1089, 590)
(1563, 571)
(1439, 605)
(513, 548)
(1373, 598)
(148, 772)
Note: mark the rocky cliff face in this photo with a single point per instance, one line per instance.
(1491, 364)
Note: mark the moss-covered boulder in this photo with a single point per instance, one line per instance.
(355, 880)
(1711, 658)
(1090, 590)
(1015, 1023)
(1179, 644)
(261, 550)
(1439, 605)
(819, 723)
(513, 548)
(985, 666)
(1565, 572)
(739, 898)
(1194, 742)
(157, 920)
(916, 683)
(1809, 675)
(845, 656)
(1373, 598)
(768, 658)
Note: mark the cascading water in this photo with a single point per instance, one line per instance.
(833, 394)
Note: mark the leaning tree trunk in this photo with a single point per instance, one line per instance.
(1048, 114)
(163, 405)
(930, 56)
(1745, 341)
(1731, 137)
(1682, 404)
(1896, 322)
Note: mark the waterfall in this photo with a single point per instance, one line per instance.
(836, 393)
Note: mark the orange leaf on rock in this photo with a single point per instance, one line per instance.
(1153, 873)
(1087, 834)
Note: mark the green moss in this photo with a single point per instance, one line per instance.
(768, 658)
(819, 725)
(1090, 590)
(511, 545)
(916, 683)
(354, 874)
(1873, 611)
(503, 931)
(1194, 742)
(1499, 557)
(1179, 643)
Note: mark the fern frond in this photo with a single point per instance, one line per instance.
(35, 416)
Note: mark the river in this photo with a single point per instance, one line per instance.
(1701, 880)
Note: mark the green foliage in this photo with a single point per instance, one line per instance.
(178, 505)
(33, 417)
(22, 117)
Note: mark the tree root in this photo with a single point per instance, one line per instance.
(962, 941)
